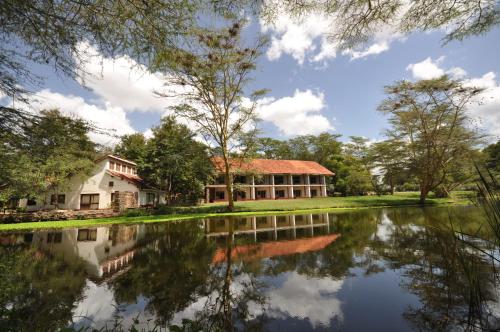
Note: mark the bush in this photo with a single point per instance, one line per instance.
(139, 212)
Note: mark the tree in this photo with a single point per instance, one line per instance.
(492, 155)
(175, 162)
(44, 155)
(214, 69)
(356, 22)
(388, 156)
(132, 147)
(430, 117)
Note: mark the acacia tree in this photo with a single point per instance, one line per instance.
(430, 117)
(214, 69)
(356, 22)
(389, 157)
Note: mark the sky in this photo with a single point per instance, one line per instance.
(313, 86)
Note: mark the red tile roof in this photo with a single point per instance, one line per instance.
(271, 166)
(134, 178)
(277, 248)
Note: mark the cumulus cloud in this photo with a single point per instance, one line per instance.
(306, 298)
(108, 117)
(306, 38)
(299, 114)
(428, 69)
(123, 82)
(484, 109)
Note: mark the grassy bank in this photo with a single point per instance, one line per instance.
(254, 208)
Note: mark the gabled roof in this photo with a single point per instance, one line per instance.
(134, 178)
(271, 166)
(110, 156)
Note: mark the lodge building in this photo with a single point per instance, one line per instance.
(270, 179)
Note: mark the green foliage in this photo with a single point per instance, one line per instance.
(42, 156)
(492, 156)
(132, 147)
(357, 22)
(429, 118)
(38, 285)
(214, 68)
(175, 162)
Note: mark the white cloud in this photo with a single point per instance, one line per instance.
(429, 69)
(109, 117)
(484, 109)
(426, 69)
(306, 298)
(298, 37)
(306, 38)
(121, 81)
(296, 115)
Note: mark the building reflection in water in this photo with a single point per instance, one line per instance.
(269, 236)
(107, 251)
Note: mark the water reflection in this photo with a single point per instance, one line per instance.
(399, 269)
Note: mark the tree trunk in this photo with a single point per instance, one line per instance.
(229, 190)
(424, 191)
(229, 184)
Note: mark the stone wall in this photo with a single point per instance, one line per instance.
(124, 200)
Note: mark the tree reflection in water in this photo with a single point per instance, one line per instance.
(180, 278)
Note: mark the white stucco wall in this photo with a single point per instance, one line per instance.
(98, 183)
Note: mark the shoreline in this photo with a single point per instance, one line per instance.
(124, 220)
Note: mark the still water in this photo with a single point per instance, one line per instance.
(369, 270)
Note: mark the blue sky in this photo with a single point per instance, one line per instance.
(314, 87)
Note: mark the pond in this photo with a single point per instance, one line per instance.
(399, 269)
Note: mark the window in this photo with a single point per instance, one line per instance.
(150, 198)
(261, 194)
(89, 201)
(113, 197)
(54, 237)
(297, 179)
(280, 193)
(134, 170)
(261, 221)
(87, 234)
(220, 195)
(279, 179)
(59, 199)
(220, 180)
(259, 180)
(281, 220)
(111, 183)
(314, 193)
(240, 179)
(313, 179)
(241, 195)
(112, 165)
(297, 193)
(31, 202)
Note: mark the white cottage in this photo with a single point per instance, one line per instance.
(112, 176)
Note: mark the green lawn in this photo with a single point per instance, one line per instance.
(255, 207)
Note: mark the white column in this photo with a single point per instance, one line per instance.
(273, 194)
(290, 182)
(252, 192)
(207, 195)
(308, 186)
(274, 226)
(323, 187)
